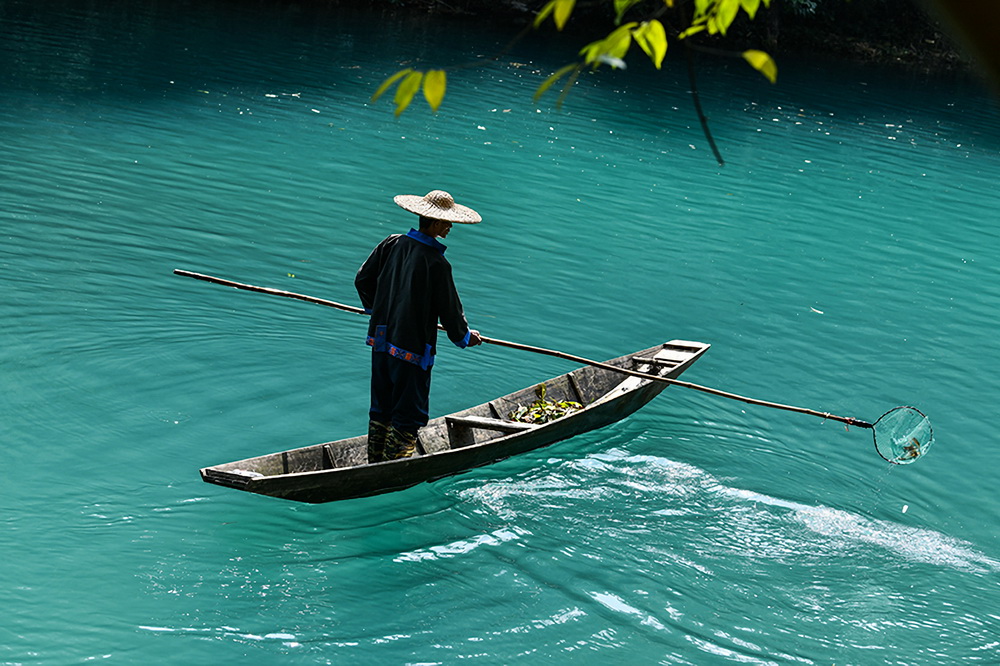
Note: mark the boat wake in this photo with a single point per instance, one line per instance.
(910, 543)
(739, 520)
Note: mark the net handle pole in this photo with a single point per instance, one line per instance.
(677, 382)
(541, 350)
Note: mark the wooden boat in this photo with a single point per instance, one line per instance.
(457, 442)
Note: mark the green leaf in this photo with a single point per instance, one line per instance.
(763, 63)
(652, 38)
(562, 11)
(591, 51)
(622, 6)
(614, 46)
(544, 12)
(548, 83)
(543, 410)
(568, 86)
(694, 29)
(617, 42)
(389, 81)
(435, 84)
(725, 14)
(406, 90)
(750, 7)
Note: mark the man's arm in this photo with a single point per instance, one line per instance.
(452, 315)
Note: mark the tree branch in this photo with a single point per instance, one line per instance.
(697, 106)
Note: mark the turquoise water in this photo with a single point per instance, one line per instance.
(844, 259)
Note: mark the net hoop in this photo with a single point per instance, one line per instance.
(906, 435)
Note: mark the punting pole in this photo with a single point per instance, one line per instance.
(539, 350)
(906, 431)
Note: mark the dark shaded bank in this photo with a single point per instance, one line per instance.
(898, 32)
(893, 32)
(885, 31)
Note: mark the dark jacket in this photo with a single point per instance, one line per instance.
(407, 286)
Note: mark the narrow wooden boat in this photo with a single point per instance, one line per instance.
(450, 444)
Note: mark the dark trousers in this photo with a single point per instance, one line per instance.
(400, 393)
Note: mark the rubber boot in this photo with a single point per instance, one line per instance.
(378, 435)
(400, 444)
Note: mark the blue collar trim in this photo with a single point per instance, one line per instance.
(427, 240)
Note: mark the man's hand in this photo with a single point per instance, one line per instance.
(475, 338)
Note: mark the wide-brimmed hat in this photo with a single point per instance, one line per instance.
(439, 205)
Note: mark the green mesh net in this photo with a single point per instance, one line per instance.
(902, 435)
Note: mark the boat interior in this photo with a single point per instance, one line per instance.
(587, 385)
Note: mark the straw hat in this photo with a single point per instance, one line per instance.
(439, 205)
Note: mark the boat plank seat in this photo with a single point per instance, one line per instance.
(664, 360)
(650, 360)
(489, 424)
(664, 356)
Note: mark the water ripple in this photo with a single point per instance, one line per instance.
(842, 259)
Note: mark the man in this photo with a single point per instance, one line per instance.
(407, 287)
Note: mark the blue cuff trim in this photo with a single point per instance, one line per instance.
(464, 342)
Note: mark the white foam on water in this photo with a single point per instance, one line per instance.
(615, 603)
(461, 547)
(287, 639)
(910, 543)
(680, 481)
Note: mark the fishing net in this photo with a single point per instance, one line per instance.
(902, 435)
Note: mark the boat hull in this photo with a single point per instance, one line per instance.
(338, 470)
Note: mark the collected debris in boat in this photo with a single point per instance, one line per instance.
(542, 410)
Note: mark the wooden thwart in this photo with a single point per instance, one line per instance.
(639, 360)
(489, 424)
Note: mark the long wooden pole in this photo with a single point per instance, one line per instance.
(541, 350)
